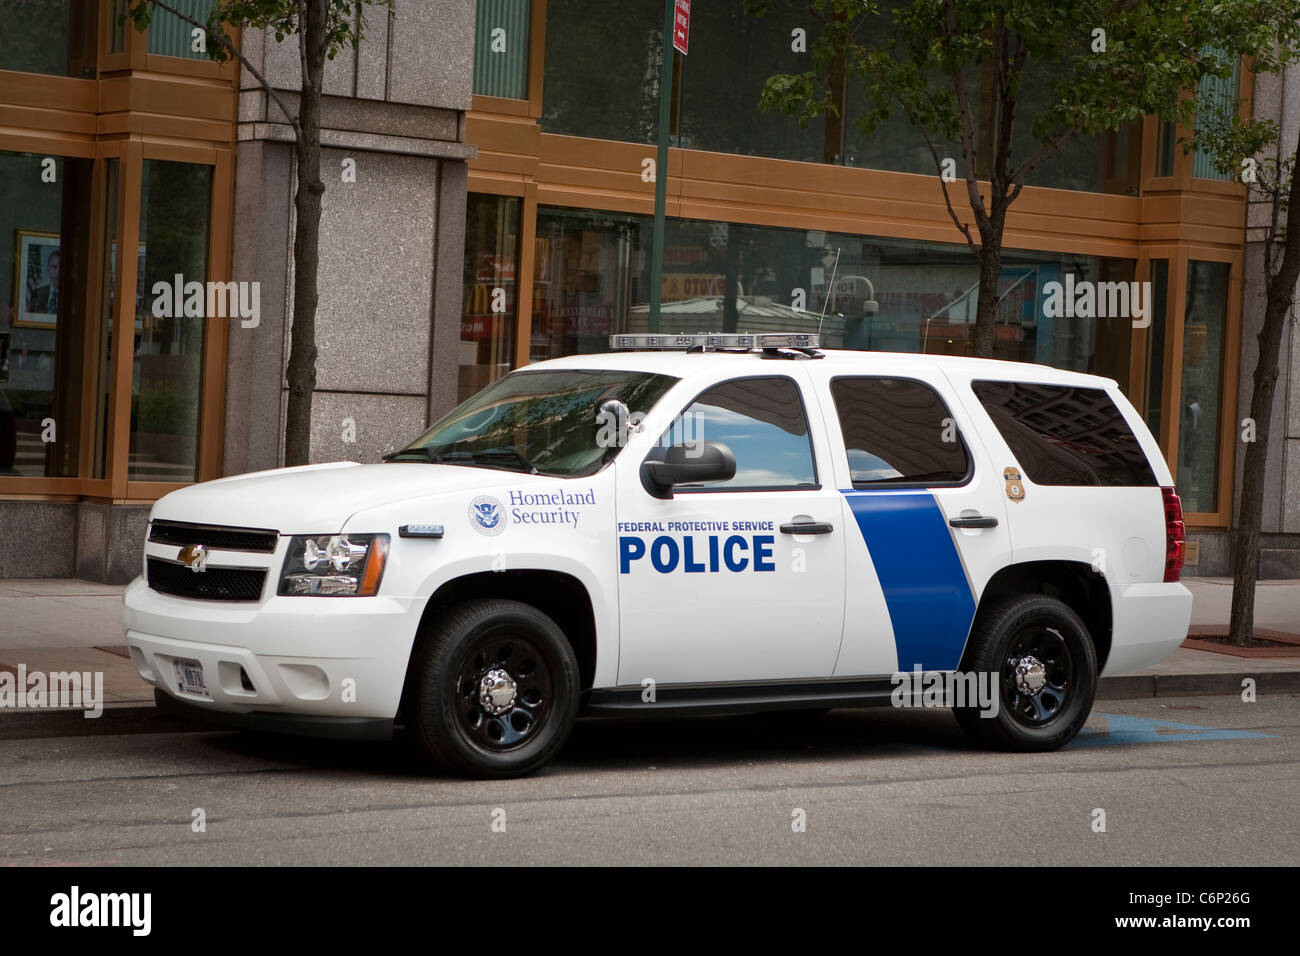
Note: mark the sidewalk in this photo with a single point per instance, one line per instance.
(69, 625)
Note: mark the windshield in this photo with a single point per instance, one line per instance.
(544, 422)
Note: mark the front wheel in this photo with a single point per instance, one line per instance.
(1044, 671)
(495, 690)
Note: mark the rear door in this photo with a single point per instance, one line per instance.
(926, 515)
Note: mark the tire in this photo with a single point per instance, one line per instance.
(1031, 629)
(456, 726)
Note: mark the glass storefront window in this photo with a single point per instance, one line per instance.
(487, 328)
(896, 145)
(1198, 429)
(501, 49)
(44, 260)
(591, 279)
(602, 69)
(723, 79)
(1166, 140)
(1109, 162)
(175, 210)
(117, 28)
(1155, 359)
(54, 37)
(1106, 163)
(169, 35)
(603, 84)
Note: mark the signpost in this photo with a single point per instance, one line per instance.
(677, 29)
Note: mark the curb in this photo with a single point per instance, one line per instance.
(1136, 686)
(125, 718)
(147, 718)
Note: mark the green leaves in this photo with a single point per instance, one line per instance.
(1088, 65)
(794, 94)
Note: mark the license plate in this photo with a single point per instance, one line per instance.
(189, 678)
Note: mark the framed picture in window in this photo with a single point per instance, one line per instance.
(36, 279)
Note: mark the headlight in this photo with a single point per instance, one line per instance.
(339, 565)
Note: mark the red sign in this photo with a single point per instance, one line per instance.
(681, 26)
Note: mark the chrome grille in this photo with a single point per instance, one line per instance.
(214, 537)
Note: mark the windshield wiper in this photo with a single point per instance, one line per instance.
(492, 456)
(421, 453)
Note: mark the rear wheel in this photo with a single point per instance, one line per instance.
(495, 690)
(1045, 674)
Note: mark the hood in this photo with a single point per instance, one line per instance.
(319, 499)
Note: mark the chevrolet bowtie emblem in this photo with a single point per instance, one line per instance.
(194, 557)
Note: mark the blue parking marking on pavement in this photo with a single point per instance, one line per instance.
(929, 599)
(1122, 730)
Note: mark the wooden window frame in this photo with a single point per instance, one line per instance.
(38, 486)
(212, 378)
(131, 154)
(1180, 257)
(531, 106)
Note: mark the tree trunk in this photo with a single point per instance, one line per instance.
(306, 240)
(1280, 292)
(986, 312)
(1246, 543)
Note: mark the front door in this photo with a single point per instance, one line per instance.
(737, 580)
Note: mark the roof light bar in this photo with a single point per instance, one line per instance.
(718, 340)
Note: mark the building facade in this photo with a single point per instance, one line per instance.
(771, 224)
(489, 194)
(110, 396)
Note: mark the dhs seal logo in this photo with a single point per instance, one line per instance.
(487, 516)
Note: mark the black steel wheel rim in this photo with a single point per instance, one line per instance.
(526, 666)
(1049, 647)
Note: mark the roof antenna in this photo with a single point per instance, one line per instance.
(830, 291)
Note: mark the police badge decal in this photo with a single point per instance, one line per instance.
(487, 516)
(1015, 487)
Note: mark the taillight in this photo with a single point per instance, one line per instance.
(1175, 534)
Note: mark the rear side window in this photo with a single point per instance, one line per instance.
(898, 431)
(1063, 435)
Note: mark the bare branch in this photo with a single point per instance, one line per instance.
(943, 186)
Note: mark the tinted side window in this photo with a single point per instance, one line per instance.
(898, 431)
(1063, 435)
(762, 421)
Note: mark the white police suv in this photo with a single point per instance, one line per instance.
(703, 524)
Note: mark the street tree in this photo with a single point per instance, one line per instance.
(960, 71)
(1253, 149)
(322, 28)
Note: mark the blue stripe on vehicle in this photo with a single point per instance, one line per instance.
(929, 599)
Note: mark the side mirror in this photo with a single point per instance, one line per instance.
(688, 464)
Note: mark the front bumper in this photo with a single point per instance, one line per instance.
(302, 725)
(341, 658)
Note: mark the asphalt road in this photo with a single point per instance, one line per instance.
(875, 786)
